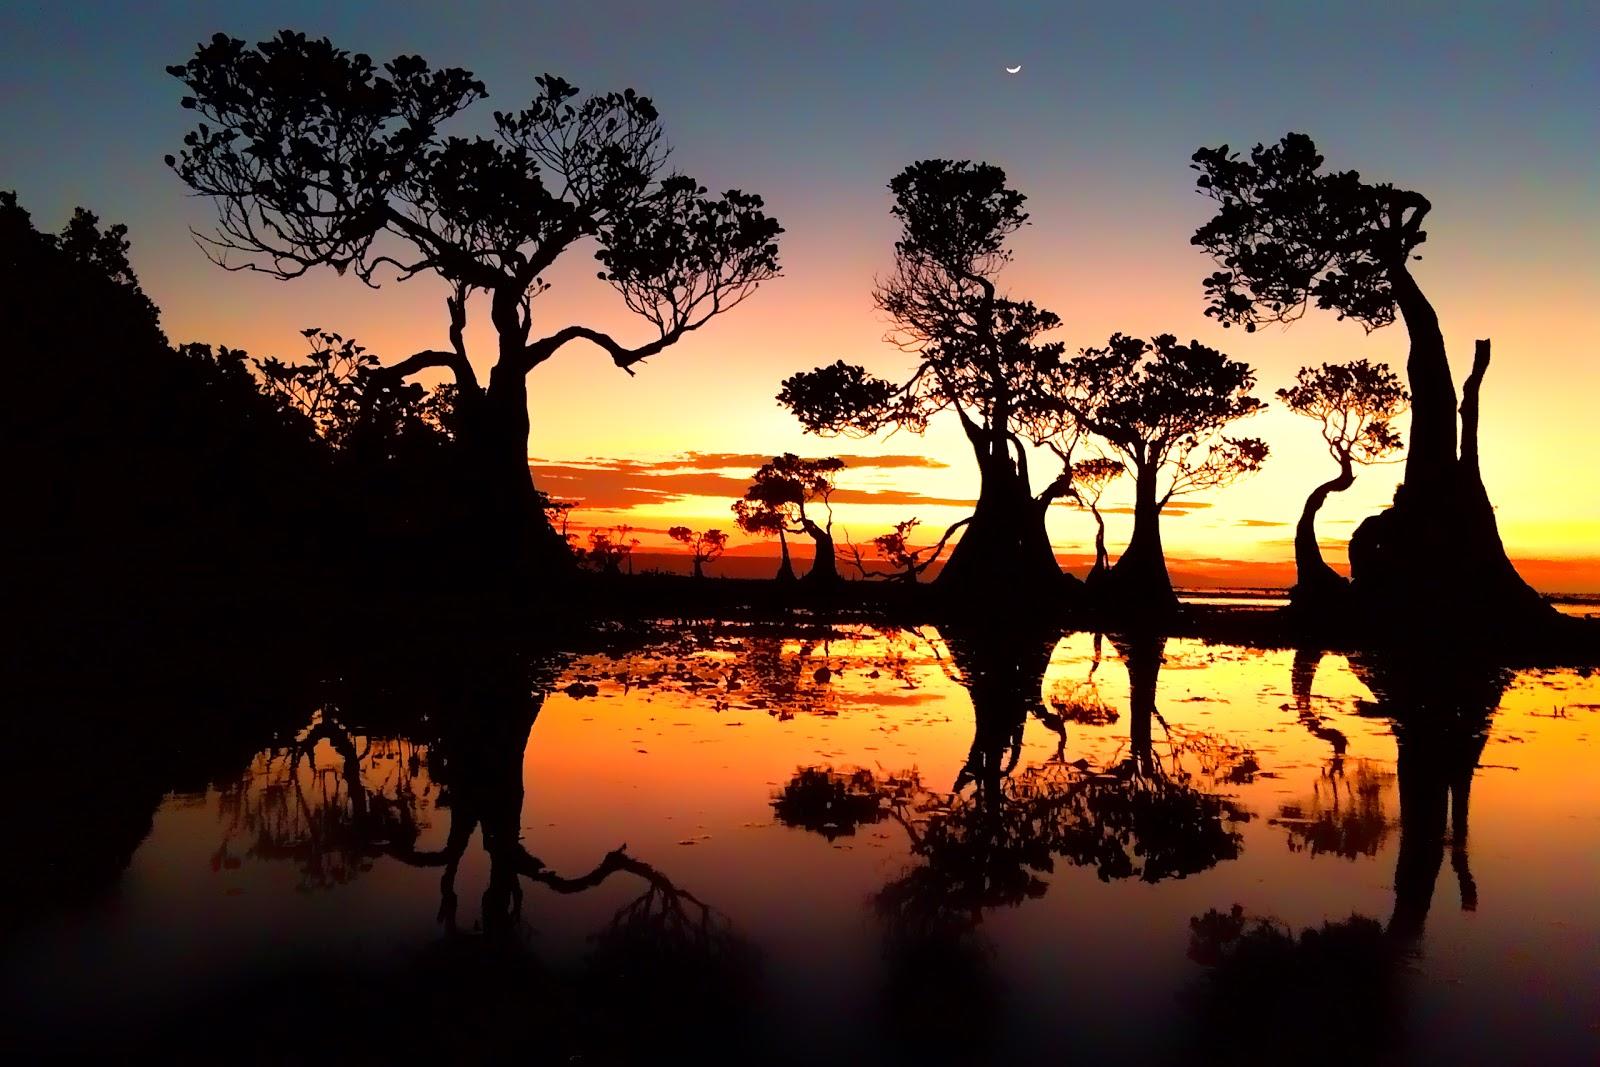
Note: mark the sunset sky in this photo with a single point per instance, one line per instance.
(1488, 110)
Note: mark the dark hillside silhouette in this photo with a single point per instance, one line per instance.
(317, 157)
(138, 474)
(1287, 234)
(980, 355)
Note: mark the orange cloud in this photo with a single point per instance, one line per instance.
(618, 485)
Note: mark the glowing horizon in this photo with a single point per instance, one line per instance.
(1098, 142)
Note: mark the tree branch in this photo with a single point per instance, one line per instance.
(541, 350)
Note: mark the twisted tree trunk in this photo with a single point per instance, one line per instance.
(1436, 555)
(825, 566)
(1102, 559)
(1317, 585)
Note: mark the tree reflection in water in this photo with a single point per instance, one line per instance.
(1440, 707)
(991, 840)
(1142, 816)
(1346, 813)
(665, 953)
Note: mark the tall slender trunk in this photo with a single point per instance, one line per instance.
(786, 566)
(1139, 581)
(699, 568)
(1102, 559)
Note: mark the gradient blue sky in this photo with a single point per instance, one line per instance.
(1489, 109)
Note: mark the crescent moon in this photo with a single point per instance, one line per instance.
(1014, 70)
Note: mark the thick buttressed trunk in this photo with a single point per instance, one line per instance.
(1317, 586)
(825, 567)
(785, 566)
(1138, 584)
(518, 539)
(1005, 548)
(1435, 558)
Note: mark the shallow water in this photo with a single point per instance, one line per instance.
(882, 846)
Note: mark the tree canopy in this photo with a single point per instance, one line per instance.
(316, 156)
(1288, 234)
(1356, 404)
(1162, 407)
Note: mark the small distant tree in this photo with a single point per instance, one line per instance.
(1161, 408)
(777, 499)
(980, 356)
(1356, 403)
(705, 547)
(1288, 233)
(610, 549)
(1089, 479)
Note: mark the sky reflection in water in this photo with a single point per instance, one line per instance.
(877, 866)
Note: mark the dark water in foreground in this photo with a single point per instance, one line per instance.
(847, 844)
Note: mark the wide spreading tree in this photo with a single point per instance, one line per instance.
(1355, 403)
(776, 503)
(979, 354)
(317, 157)
(1288, 234)
(1161, 408)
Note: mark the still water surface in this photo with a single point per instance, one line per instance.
(879, 846)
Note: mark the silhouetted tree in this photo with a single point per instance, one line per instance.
(1162, 408)
(316, 156)
(704, 547)
(766, 514)
(980, 355)
(1090, 478)
(1355, 403)
(610, 549)
(776, 501)
(1287, 234)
